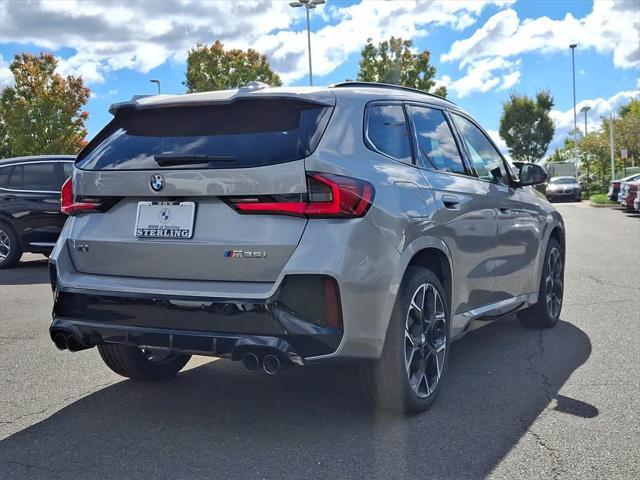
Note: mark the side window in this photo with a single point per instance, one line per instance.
(67, 169)
(15, 178)
(40, 176)
(388, 133)
(437, 148)
(5, 173)
(486, 159)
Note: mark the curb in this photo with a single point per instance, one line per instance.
(603, 205)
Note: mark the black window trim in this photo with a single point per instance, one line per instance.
(456, 139)
(369, 144)
(31, 163)
(468, 155)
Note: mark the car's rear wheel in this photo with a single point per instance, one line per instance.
(409, 374)
(546, 312)
(142, 363)
(10, 250)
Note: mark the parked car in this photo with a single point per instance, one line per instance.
(564, 188)
(30, 218)
(293, 226)
(614, 186)
(629, 193)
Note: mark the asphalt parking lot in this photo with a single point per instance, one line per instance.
(518, 403)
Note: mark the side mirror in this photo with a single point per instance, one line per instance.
(532, 174)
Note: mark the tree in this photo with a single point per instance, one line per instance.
(627, 131)
(392, 61)
(526, 127)
(42, 113)
(214, 68)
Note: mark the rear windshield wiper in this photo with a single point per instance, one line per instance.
(172, 159)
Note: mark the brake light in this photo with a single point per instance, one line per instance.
(328, 196)
(69, 206)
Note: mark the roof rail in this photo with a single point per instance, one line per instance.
(386, 85)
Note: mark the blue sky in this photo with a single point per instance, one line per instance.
(483, 50)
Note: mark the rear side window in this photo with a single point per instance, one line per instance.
(244, 133)
(40, 176)
(67, 169)
(5, 173)
(437, 149)
(387, 131)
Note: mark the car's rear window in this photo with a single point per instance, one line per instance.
(244, 133)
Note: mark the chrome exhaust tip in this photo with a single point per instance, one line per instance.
(60, 341)
(271, 364)
(250, 362)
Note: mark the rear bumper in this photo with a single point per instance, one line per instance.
(215, 327)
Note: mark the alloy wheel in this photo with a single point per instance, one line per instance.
(5, 246)
(554, 285)
(425, 340)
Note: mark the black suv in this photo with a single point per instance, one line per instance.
(30, 218)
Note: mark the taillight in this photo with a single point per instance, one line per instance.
(69, 206)
(328, 196)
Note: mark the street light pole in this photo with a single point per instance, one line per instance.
(613, 148)
(308, 5)
(584, 110)
(575, 118)
(157, 82)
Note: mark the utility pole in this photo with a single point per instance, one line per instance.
(575, 117)
(613, 148)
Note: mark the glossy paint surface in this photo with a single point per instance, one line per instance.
(492, 235)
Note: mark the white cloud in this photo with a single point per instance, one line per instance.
(599, 108)
(6, 77)
(611, 28)
(142, 35)
(481, 76)
(500, 143)
(510, 80)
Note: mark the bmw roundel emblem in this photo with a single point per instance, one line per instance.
(157, 183)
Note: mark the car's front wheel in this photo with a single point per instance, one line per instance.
(142, 364)
(546, 312)
(409, 374)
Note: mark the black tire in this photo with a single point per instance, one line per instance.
(546, 312)
(387, 381)
(10, 249)
(133, 362)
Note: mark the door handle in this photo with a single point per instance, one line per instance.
(505, 211)
(9, 197)
(450, 201)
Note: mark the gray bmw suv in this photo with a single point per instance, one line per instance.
(292, 226)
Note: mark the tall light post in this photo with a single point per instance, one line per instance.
(575, 118)
(308, 5)
(157, 82)
(584, 110)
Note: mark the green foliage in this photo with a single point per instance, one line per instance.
(42, 113)
(392, 61)
(526, 127)
(595, 150)
(600, 199)
(214, 68)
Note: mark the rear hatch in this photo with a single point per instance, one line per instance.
(164, 177)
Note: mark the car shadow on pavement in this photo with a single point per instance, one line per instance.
(26, 273)
(216, 421)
